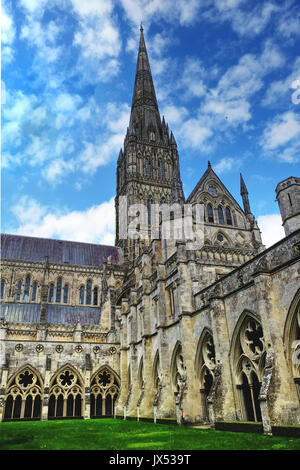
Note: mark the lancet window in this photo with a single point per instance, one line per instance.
(105, 388)
(23, 396)
(66, 395)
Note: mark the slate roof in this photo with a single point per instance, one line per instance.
(59, 251)
(55, 314)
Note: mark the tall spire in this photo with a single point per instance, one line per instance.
(144, 92)
(144, 109)
(244, 194)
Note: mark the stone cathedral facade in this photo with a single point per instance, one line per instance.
(156, 328)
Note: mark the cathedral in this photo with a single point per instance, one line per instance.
(164, 325)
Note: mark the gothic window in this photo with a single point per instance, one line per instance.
(51, 293)
(66, 395)
(81, 295)
(23, 396)
(173, 300)
(157, 379)
(105, 388)
(58, 290)
(160, 169)
(212, 191)
(88, 292)
(95, 296)
(2, 288)
(221, 240)
(292, 340)
(228, 216)
(210, 214)
(206, 367)
(26, 289)
(148, 171)
(152, 136)
(221, 215)
(149, 203)
(34, 291)
(179, 376)
(66, 294)
(18, 290)
(249, 364)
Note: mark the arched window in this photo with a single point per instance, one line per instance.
(26, 289)
(88, 292)
(34, 291)
(292, 340)
(148, 170)
(23, 396)
(65, 397)
(220, 215)
(210, 214)
(95, 296)
(2, 288)
(58, 290)
(207, 364)
(51, 293)
(66, 294)
(105, 388)
(250, 362)
(18, 290)
(178, 374)
(228, 216)
(149, 204)
(81, 295)
(160, 169)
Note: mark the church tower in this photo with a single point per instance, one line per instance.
(148, 165)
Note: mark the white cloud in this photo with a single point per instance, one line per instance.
(194, 133)
(67, 103)
(8, 33)
(57, 169)
(281, 130)
(93, 225)
(226, 164)
(183, 12)
(280, 90)
(250, 22)
(271, 228)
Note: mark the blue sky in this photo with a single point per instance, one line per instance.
(227, 79)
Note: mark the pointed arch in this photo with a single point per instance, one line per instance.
(66, 393)
(205, 332)
(205, 363)
(291, 339)
(222, 239)
(156, 367)
(105, 387)
(247, 352)
(141, 372)
(24, 393)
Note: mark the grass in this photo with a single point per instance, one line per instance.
(115, 434)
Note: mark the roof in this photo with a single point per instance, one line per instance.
(55, 314)
(58, 251)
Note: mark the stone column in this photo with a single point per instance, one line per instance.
(4, 366)
(146, 404)
(45, 403)
(222, 397)
(166, 404)
(191, 392)
(119, 410)
(87, 394)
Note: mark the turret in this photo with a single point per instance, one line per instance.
(288, 198)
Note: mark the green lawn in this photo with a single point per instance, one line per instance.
(115, 434)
